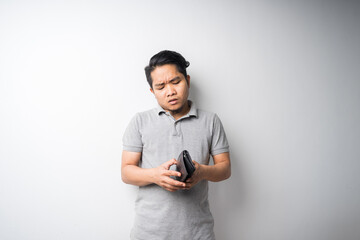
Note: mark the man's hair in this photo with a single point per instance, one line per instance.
(166, 57)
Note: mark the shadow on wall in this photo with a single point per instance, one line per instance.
(227, 198)
(195, 93)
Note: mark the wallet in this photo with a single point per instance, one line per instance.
(185, 166)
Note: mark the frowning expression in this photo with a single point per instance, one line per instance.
(171, 89)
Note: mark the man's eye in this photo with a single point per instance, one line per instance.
(176, 82)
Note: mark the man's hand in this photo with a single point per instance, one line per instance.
(162, 177)
(131, 173)
(196, 177)
(221, 170)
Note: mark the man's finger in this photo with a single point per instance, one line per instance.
(175, 183)
(187, 186)
(171, 187)
(169, 163)
(173, 173)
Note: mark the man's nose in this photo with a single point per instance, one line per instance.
(170, 90)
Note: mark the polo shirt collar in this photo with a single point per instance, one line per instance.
(192, 112)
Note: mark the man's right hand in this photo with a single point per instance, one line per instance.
(162, 177)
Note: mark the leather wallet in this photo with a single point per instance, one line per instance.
(185, 166)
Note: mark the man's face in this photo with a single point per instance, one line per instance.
(171, 88)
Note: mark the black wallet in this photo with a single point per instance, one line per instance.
(185, 166)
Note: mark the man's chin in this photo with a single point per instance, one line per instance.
(174, 109)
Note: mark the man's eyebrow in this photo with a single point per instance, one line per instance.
(175, 78)
(172, 80)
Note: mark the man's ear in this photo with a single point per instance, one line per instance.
(152, 91)
(188, 80)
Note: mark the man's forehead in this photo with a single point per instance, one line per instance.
(165, 73)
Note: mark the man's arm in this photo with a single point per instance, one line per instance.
(220, 171)
(131, 173)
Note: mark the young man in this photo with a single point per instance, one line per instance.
(167, 208)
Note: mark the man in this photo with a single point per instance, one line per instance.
(167, 208)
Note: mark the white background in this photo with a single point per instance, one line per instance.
(282, 75)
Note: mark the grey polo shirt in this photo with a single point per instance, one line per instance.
(183, 214)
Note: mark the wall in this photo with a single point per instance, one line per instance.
(282, 75)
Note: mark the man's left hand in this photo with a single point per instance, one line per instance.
(196, 177)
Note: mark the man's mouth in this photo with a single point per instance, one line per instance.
(173, 101)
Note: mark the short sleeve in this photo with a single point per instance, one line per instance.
(219, 143)
(132, 138)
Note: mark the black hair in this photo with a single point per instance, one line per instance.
(166, 57)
